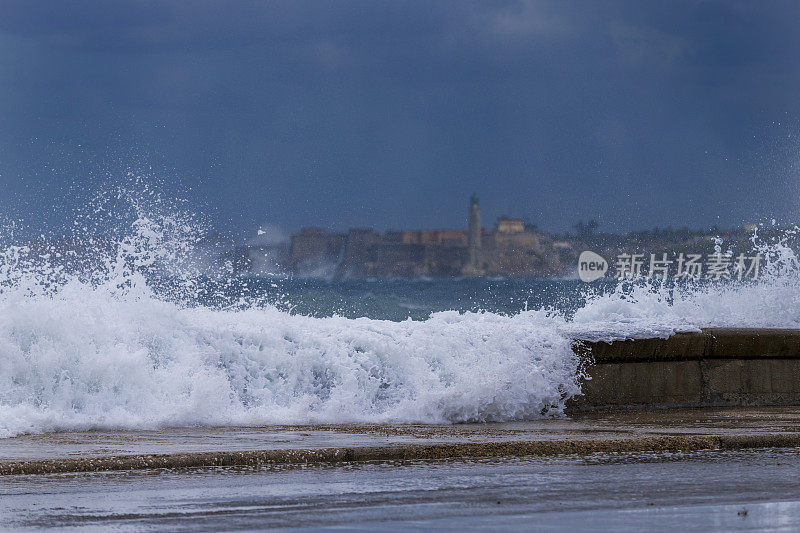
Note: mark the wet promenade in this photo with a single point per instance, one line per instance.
(581, 434)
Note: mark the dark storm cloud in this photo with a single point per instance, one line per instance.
(391, 113)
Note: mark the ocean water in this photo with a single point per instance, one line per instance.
(136, 330)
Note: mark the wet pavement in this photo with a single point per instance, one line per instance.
(580, 427)
(697, 491)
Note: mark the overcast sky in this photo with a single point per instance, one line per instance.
(390, 114)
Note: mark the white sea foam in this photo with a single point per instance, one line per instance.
(101, 362)
(97, 347)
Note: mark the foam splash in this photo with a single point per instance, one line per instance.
(86, 341)
(149, 363)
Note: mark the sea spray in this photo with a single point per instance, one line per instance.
(106, 331)
(149, 363)
(644, 308)
(114, 330)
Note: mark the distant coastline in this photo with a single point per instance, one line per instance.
(512, 249)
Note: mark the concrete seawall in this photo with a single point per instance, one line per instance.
(714, 367)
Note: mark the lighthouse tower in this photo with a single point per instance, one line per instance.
(474, 232)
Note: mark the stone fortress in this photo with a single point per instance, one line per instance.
(511, 249)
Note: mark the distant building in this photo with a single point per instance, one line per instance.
(510, 225)
(511, 249)
(445, 237)
(314, 250)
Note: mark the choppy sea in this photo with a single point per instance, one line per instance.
(134, 332)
